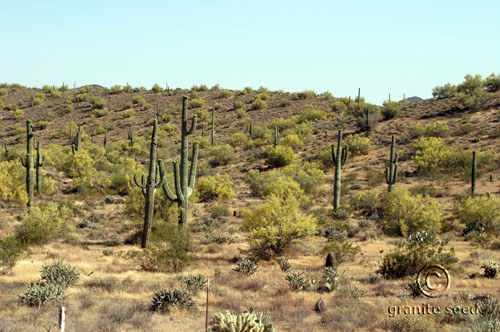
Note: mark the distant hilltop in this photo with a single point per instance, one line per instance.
(94, 86)
(415, 99)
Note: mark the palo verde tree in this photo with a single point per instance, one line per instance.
(339, 159)
(28, 163)
(184, 185)
(149, 185)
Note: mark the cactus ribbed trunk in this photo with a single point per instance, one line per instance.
(473, 173)
(149, 185)
(77, 142)
(339, 159)
(28, 163)
(184, 182)
(276, 136)
(40, 161)
(105, 142)
(391, 172)
(130, 136)
(213, 128)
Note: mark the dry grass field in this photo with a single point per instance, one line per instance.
(114, 293)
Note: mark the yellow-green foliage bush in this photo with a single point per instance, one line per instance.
(203, 115)
(38, 99)
(359, 144)
(127, 113)
(405, 214)
(12, 182)
(45, 222)
(210, 187)
(308, 175)
(99, 113)
(18, 115)
(274, 225)
(258, 104)
(325, 155)
(221, 155)
(481, 214)
(280, 156)
(98, 102)
(285, 102)
(123, 170)
(339, 107)
(238, 139)
(226, 93)
(196, 103)
(292, 141)
(309, 113)
(434, 129)
(391, 110)
(272, 182)
(156, 88)
(40, 125)
(306, 94)
(81, 167)
(366, 201)
(432, 155)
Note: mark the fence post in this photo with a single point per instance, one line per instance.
(206, 314)
(62, 318)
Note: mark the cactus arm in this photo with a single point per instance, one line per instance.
(177, 181)
(42, 163)
(168, 192)
(194, 120)
(158, 184)
(395, 176)
(333, 153)
(345, 155)
(24, 161)
(194, 164)
(140, 185)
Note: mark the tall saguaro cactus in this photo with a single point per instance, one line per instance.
(130, 136)
(27, 162)
(276, 136)
(213, 128)
(391, 172)
(77, 142)
(339, 159)
(40, 161)
(473, 173)
(184, 184)
(149, 184)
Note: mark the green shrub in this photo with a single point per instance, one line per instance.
(38, 99)
(40, 293)
(226, 94)
(342, 251)
(258, 104)
(219, 211)
(306, 94)
(366, 201)
(275, 224)
(238, 139)
(60, 273)
(491, 268)
(99, 113)
(11, 249)
(12, 180)
(298, 282)
(10, 107)
(98, 102)
(165, 298)
(44, 223)
(196, 103)
(210, 188)
(285, 102)
(280, 156)
(81, 167)
(391, 110)
(272, 182)
(481, 214)
(309, 176)
(292, 141)
(405, 214)
(308, 113)
(81, 97)
(420, 249)
(359, 144)
(492, 83)
(445, 91)
(221, 155)
(470, 84)
(474, 101)
(246, 266)
(434, 129)
(156, 88)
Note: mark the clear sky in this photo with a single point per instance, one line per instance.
(381, 46)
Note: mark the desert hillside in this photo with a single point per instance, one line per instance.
(263, 198)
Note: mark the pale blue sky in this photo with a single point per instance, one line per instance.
(381, 46)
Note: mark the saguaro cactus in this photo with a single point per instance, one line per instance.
(183, 185)
(340, 159)
(276, 136)
(149, 185)
(40, 161)
(213, 127)
(77, 141)
(130, 136)
(250, 130)
(473, 173)
(391, 172)
(105, 138)
(27, 162)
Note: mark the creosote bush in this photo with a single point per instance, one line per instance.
(221, 155)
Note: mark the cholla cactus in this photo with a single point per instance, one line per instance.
(40, 293)
(244, 322)
(284, 263)
(491, 268)
(246, 266)
(60, 273)
(171, 297)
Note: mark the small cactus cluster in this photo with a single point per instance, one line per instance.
(246, 266)
(284, 263)
(244, 322)
(165, 298)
